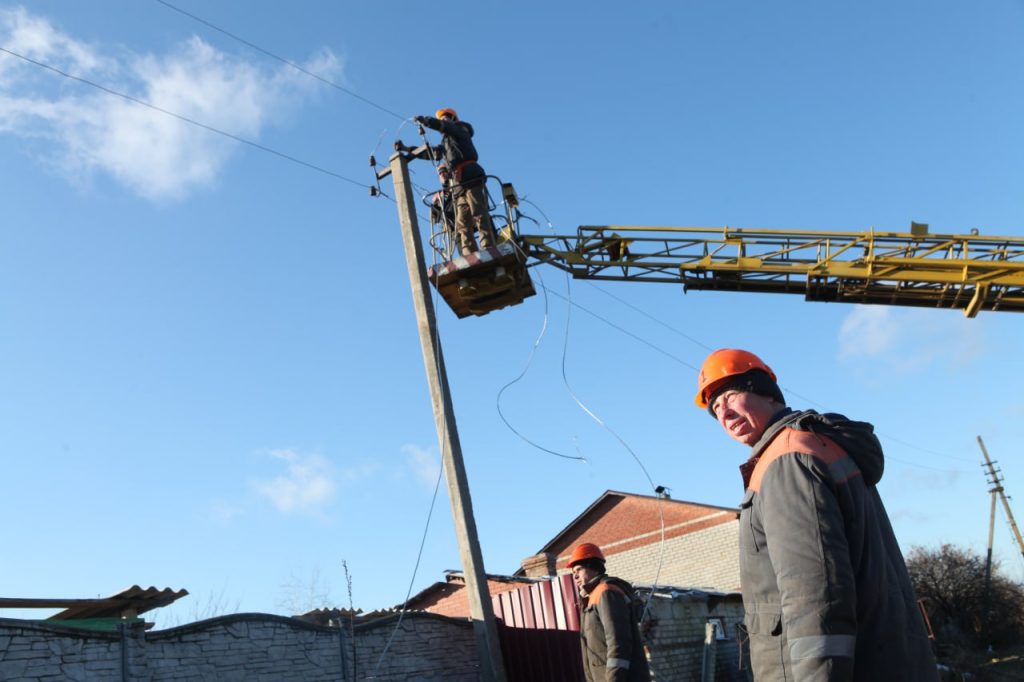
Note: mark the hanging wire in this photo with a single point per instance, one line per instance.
(412, 580)
(281, 59)
(526, 367)
(622, 442)
(437, 485)
(697, 342)
(185, 119)
(606, 427)
(529, 362)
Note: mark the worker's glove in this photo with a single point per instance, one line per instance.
(419, 119)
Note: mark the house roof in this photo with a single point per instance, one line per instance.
(647, 512)
(130, 602)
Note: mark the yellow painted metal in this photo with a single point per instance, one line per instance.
(971, 272)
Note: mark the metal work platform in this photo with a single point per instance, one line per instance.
(484, 281)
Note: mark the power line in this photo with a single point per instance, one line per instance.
(186, 119)
(281, 59)
(652, 317)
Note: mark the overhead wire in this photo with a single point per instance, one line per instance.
(290, 63)
(405, 120)
(298, 67)
(650, 317)
(363, 185)
(185, 119)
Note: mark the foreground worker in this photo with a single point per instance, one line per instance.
(471, 209)
(609, 633)
(825, 589)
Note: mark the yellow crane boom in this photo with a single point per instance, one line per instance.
(969, 272)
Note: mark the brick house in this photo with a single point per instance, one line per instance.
(700, 548)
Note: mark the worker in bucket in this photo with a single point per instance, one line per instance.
(469, 187)
(825, 588)
(609, 632)
(442, 206)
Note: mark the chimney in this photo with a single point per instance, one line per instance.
(539, 565)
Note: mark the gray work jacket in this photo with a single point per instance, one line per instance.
(825, 588)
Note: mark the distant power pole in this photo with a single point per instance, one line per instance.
(492, 668)
(997, 488)
(994, 480)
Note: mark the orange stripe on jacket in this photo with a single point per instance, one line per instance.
(595, 596)
(790, 441)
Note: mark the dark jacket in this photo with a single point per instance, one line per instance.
(459, 151)
(825, 589)
(609, 635)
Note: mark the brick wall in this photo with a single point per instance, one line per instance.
(250, 647)
(678, 634)
(707, 559)
(701, 542)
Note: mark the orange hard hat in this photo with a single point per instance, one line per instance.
(446, 110)
(720, 366)
(587, 550)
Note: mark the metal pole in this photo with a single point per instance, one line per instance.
(492, 667)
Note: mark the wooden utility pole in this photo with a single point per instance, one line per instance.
(492, 668)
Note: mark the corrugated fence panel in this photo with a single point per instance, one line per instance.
(539, 631)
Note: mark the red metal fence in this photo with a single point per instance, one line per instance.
(539, 629)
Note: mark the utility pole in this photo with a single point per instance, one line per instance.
(997, 484)
(492, 668)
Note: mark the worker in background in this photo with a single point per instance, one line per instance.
(471, 209)
(609, 632)
(442, 206)
(825, 589)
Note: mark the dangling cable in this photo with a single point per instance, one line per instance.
(622, 442)
(636, 458)
(433, 498)
(526, 367)
(412, 581)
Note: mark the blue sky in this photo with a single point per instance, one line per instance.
(212, 378)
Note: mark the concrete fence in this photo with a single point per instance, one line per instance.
(250, 647)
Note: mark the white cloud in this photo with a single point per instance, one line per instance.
(307, 484)
(867, 331)
(423, 463)
(36, 38)
(155, 155)
(904, 340)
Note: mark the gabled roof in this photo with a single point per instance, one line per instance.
(644, 522)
